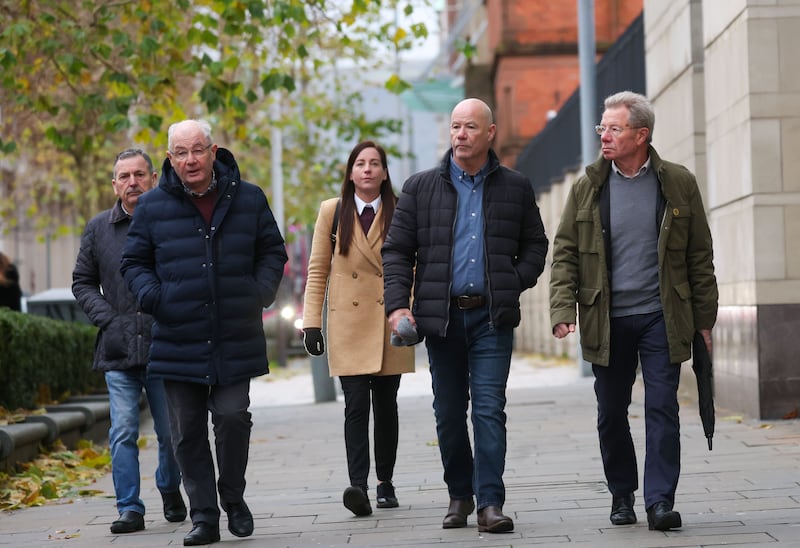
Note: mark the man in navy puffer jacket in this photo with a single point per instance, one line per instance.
(204, 256)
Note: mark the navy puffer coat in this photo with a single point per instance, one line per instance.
(205, 284)
(418, 251)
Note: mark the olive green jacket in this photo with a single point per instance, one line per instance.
(580, 272)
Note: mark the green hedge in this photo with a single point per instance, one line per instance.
(43, 360)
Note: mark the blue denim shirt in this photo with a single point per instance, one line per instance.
(469, 262)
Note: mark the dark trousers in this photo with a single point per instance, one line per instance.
(638, 338)
(189, 405)
(357, 390)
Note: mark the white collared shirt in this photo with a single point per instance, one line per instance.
(641, 171)
(361, 204)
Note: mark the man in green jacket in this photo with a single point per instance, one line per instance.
(634, 252)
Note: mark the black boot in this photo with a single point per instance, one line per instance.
(622, 510)
(661, 517)
(174, 508)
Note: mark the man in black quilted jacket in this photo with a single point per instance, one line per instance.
(468, 237)
(123, 343)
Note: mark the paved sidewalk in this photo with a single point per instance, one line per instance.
(745, 492)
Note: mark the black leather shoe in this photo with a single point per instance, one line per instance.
(355, 499)
(661, 517)
(622, 510)
(386, 497)
(174, 508)
(492, 520)
(128, 522)
(240, 520)
(201, 534)
(457, 513)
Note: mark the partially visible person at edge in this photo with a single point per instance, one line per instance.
(10, 292)
(359, 349)
(633, 252)
(204, 256)
(123, 343)
(469, 239)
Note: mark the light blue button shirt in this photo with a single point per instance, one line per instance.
(469, 262)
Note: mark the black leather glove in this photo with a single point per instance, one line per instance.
(314, 341)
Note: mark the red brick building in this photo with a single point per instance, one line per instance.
(525, 60)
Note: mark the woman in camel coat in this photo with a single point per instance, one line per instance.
(359, 349)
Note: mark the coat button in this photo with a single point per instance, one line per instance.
(355, 274)
(355, 303)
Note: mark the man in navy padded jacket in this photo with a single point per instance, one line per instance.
(204, 256)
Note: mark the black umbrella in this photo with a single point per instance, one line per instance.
(703, 370)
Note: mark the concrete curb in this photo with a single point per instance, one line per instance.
(82, 417)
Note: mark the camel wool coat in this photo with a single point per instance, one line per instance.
(358, 335)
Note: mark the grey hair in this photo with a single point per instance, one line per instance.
(640, 108)
(132, 153)
(205, 127)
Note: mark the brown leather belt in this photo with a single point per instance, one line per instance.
(468, 302)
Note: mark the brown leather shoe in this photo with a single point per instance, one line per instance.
(492, 520)
(457, 513)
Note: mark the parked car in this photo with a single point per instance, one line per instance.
(58, 303)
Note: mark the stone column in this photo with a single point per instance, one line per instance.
(752, 63)
(725, 78)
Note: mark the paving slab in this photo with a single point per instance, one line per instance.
(745, 492)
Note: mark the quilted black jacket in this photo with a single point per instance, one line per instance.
(123, 340)
(419, 247)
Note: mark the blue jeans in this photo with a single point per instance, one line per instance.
(472, 361)
(124, 392)
(639, 338)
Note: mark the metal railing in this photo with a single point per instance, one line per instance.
(556, 149)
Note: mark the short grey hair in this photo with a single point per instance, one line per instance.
(205, 127)
(639, 106)
(132, 153)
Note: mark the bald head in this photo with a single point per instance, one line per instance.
(475, 106)
(471, 134)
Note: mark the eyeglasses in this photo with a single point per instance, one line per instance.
(616, 131)
(183, 155)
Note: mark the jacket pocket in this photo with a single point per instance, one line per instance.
(590, 317)
(115, 341)
(584, 223)
(681, 217)
(681, 312)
